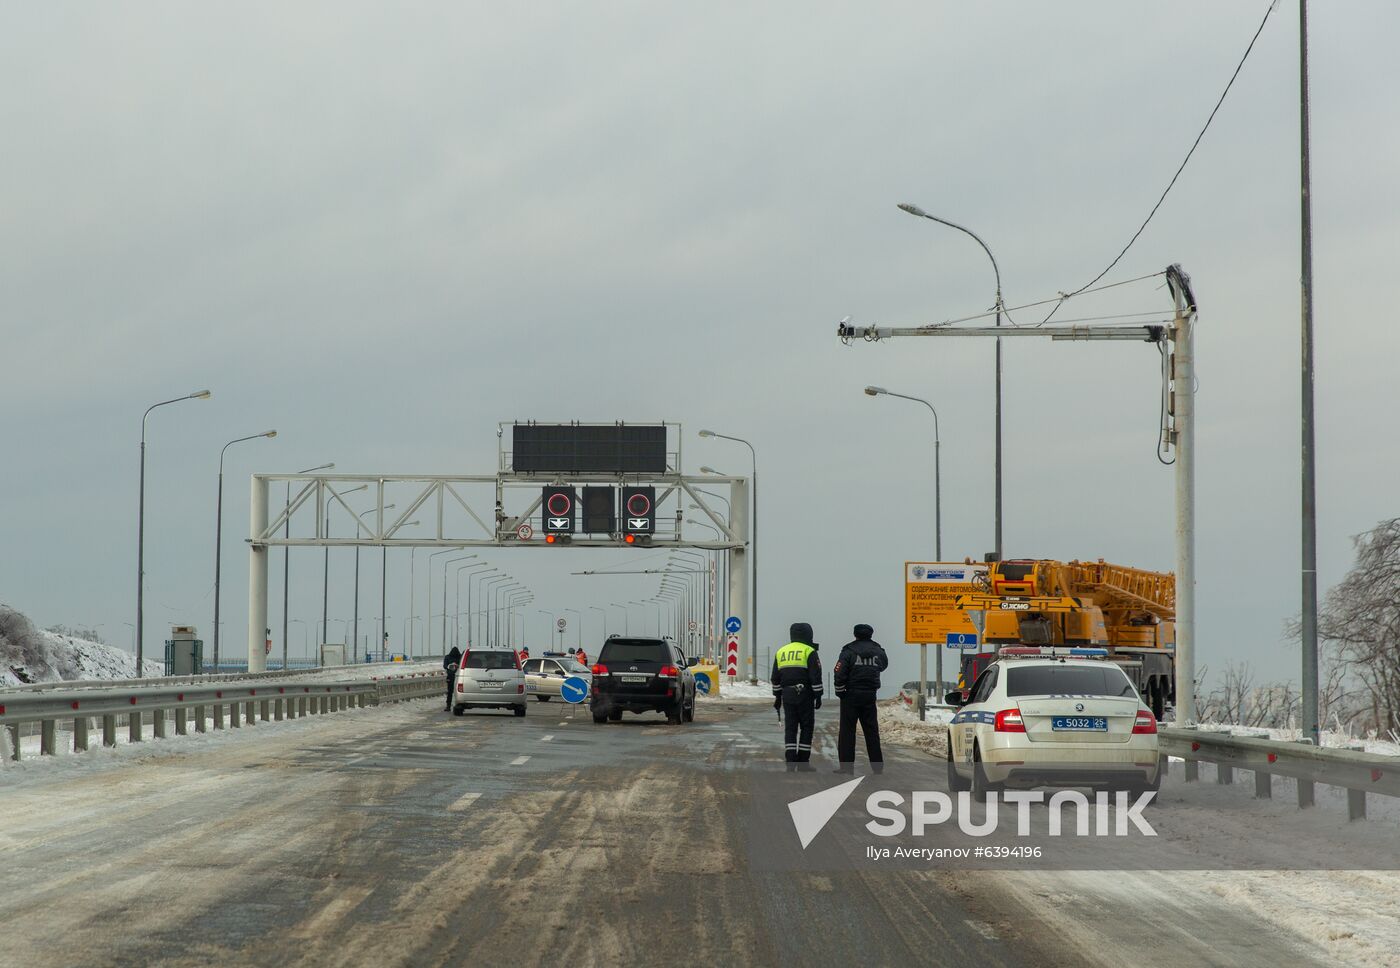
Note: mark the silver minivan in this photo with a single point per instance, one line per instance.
(489, 678)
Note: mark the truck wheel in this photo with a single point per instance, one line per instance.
(674, 714)
(614, 715)
(956, 783)
(599, 716)
(981, 786)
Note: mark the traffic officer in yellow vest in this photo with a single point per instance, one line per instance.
(797, 692)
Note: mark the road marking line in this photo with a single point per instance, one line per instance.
(464, 801)
(564, 723)
(546, 738)
(520, 761)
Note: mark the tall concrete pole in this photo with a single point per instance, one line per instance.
(257, 577)
(1184, 429)
(1309, 565)
(739, 566)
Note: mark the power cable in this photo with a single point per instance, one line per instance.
(1194, 145)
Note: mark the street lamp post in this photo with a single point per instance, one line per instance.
(578, 632)
(753, 552)
(286, 556)
(937, 542)
(428, 603)
(457, 580)
(219, 533)
(471, 612)
(139, 631)
(626, 623)
(326, 577)
(915, 210)
(458, 602)
(358, 528)
(487, 598)
(602, 637)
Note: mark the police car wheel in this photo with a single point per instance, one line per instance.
(956, 783)
(981, 786)
(542, 698)
(600, 717)
(615, 716)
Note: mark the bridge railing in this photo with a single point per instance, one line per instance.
(1357, 772)
(184, 705)
(350, 671)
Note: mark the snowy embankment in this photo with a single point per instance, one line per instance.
(30, 655)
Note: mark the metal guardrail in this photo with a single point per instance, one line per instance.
(246, 702)
(1357, 772)
(351, 670)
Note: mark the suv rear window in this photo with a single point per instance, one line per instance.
(1068, 680)
(490, 660)
(634, 650)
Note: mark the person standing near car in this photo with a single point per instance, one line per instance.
(797, 694)
(857, 680)
(450, 662)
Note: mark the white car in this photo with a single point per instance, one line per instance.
(489, 678)
(544, 676)
(1041, 716)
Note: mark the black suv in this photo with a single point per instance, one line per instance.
(640, 675)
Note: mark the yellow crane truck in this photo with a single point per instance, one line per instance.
(1093, 604)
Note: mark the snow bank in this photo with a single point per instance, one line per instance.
(1330, 737)
(30, 655)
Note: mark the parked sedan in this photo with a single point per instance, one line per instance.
(544, 676)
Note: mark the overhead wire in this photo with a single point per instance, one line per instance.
(1182, 167)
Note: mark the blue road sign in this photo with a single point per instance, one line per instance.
(702, 683)
(573, 689)
(732, 625)
(956, 640)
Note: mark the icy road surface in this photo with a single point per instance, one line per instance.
(404, 836)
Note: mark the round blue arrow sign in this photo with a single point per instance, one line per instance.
(732, 624)
(573, 689)
(702, 682)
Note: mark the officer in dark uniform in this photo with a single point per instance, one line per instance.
(797, 692)
(857, 679)
(449, 666)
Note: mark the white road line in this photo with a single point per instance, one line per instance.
(520, 761)
(464, 801)
(564, 723)
(983, 928)
(546, 738)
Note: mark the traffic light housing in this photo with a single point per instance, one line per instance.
(558, 511)
(638, 510)
(600, 510)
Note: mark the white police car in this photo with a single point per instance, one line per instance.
(1040, 716)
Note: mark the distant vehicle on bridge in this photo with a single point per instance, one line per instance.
(489, 679)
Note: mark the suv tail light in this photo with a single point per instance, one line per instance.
(1145, 723)
(600, 670)
(1009, 721)
(669, 672)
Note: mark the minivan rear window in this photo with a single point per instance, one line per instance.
(1068, 680)
(621, 651)
(490, 660)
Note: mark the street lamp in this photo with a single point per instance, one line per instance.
(457, 603)
(626, 618)
(486, 607)
(326, 575)
(471, 612)
(219, 532)
(428, 610)
(915, 210)
(578, 632)
(604, 635)
(937, 481)
(305, 645)
(359, 526)
(286, 555)
(139, 631)
(753, 553)
(553, 620)
(384, 592)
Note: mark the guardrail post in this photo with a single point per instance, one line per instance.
(277, 709)
(158, 723)
(301, 707)
(182, 721)
(80, 734)
(325, 705)
(9, 743)
(47, 731)
(133, 726)
(1305, 794)
(1224, 773)
(361, 700)
(1263, 785)
(109, 730)
(1356, 804)
(1193, 770)
(250, 712)
(199, 725)
(234, 712)
(218, 715)
(265, 713)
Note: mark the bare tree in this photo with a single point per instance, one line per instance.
(1360, 620)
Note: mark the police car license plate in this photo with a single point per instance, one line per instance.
(634, 678)
(1079, 722)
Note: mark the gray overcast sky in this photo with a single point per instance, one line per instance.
(382, 229)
